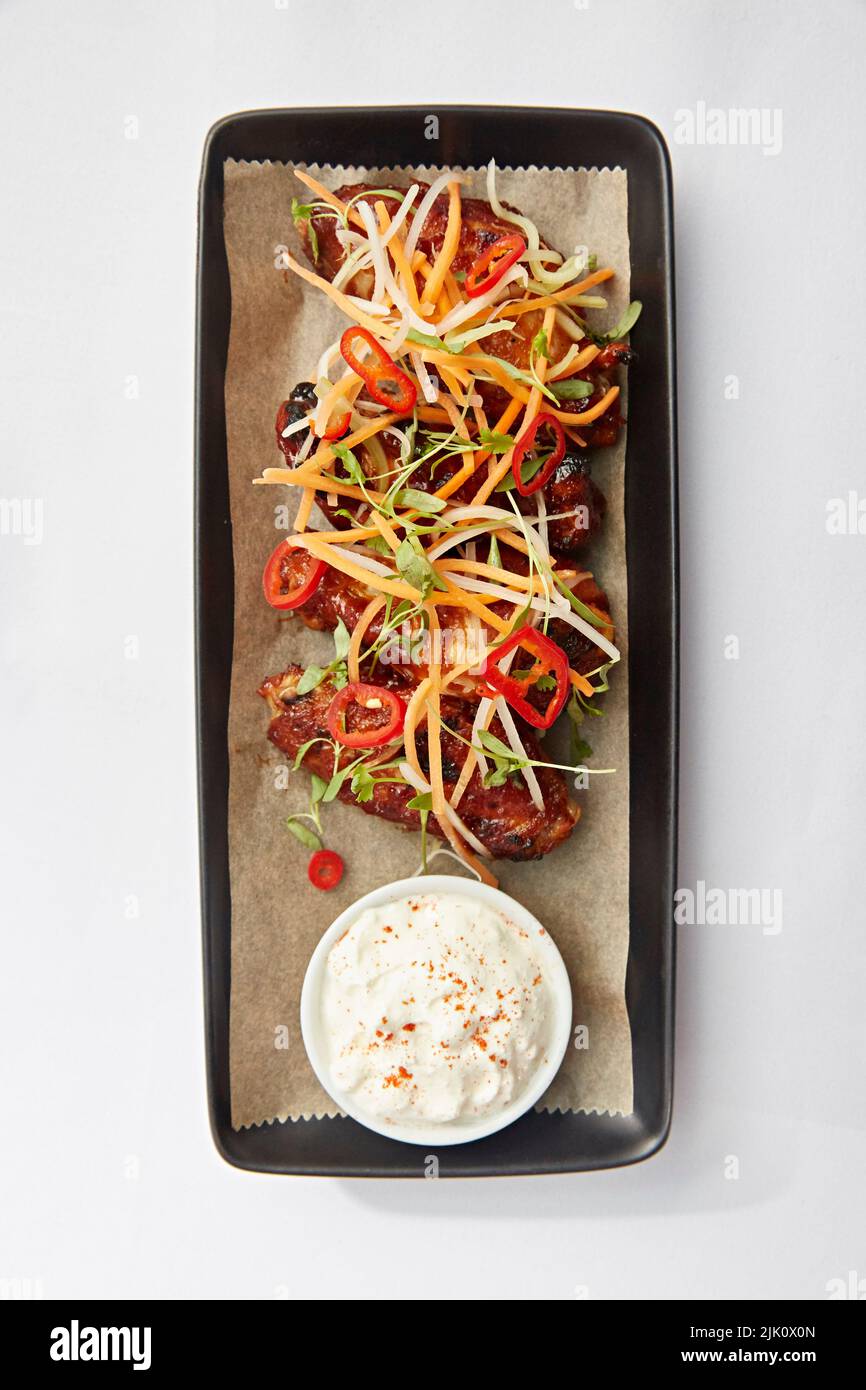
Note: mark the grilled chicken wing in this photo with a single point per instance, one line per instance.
(571, 496)
(339, 598)
(480, 228)
(504, 818)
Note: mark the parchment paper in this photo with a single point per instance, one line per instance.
(279, 328)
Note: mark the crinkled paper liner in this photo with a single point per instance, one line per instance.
(279, 328)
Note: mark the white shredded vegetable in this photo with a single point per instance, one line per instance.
(428, 386)
(527, 773)
(423, 208)
(461, 312)
(550, 279)
(440, 850)
(298, 425)
(402, 213)
(420, 784)
(305, 448)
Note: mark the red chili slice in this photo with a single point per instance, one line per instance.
(272, 579)
(338, 425)
(325, 869)
(384, 380)
(502, 255)
(550, 660)
(526, 442)
(369, 697)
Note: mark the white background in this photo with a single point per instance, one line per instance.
(102, 1051)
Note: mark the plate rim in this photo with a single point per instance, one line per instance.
(632, 1141)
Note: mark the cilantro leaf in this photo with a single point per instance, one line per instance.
(341, 640)
(313, 676)
(415, 568)
(575, 390)
(496, 443)
(303, 212)
(625, 325)
(540, 345)
(495, 745)
(420, 501)
(353, 468)
(301, 832)
(378, 544)
(363, 784)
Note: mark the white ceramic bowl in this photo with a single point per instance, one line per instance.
(452, 1132)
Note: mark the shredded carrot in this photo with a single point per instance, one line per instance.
(299, 477)
(383, 583)
(432, 415)
(353, 658)
(526, 306)
(385, 529)
(305, 506)
(457, 421)
(451, 241)
(499, 576)
(374, 326)
(510, 413)
(398, 256)
(498, 471)
(349, 386)
(348, 537)
(325, 453)
(475, 603)
(452, 289)
(580, 682)
(581, 361)
(328, 197)
(415, 710)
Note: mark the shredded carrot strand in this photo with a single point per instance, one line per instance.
(383, 583)
(386, 530)
(526, 306)
(442, 264)
(580, 682)
(328, 197)
(498, 471)
(510, 413)
(375, 326)
(305, 506)
(415, 712)
(353, 659)
(499, 576)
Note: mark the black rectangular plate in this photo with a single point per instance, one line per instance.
(538, 1143)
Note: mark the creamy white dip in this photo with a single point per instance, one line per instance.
(435, 1008)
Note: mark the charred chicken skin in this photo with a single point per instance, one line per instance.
(504, 818)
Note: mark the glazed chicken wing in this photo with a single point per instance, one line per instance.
(480, 228)
(572, 499)
(503, 818)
